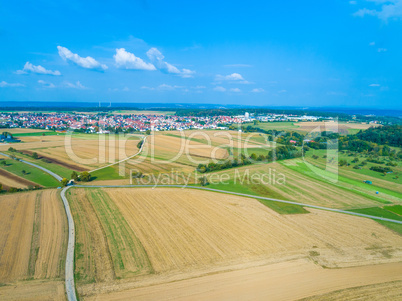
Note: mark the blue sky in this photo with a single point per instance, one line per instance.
(271, 53)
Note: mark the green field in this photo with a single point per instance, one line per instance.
(38, 134)
(280, 126)
(32, 174)
(386, 213)
(58, 169)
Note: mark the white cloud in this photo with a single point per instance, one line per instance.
(234, 78)
(157, 58)
(219, 89)
(87, 62)
(125, 89)
(382, 49)
(29, 68)
(352, 2)
(199, 87)
(4, 84)
(374, 85)
(46, 84)
(282, 91)
(372, 43)
(77, 85)
(258, 90)
(236, 90)
(128, 60)
(390, 9)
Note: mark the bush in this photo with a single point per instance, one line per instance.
(140, 144)
(381, 169)
(74, 176)
(85, 176)
(203, 181)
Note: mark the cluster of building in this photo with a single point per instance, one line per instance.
(104, 123)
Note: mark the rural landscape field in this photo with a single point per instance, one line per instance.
(191, 151)
(220, 230)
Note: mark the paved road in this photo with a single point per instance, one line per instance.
(56, 176)
(250, 196)
(69, 273)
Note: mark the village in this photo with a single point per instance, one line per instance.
(105, 123)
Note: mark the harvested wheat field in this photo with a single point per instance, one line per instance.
(15, 131)
(33, 290)
(222, 138)
(8, 179)
(381, 291)
(79, 152)
(289, 280)
(164, 147)
(298, 187)
(33, 237)
(318, 126)
(182, 233)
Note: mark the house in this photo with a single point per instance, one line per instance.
(8, 138)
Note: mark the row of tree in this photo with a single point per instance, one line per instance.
(280, 153)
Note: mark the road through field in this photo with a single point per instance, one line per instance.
(54, 175)
(70, 286)
(128, 158)
(248, 196)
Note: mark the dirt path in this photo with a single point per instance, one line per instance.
(281, 281)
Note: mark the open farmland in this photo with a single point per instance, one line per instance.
(277, 180)
(188, 233)
(8, 179)
(63, 153)
(16, 131)
(314, 126)
(341, 127)
(289, 280)
(31, 174)
(33, 241)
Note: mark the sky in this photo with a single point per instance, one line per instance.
(265, 53)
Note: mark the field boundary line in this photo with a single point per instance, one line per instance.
(69, 270)
(128, 158)
(54, 175)
(245, 195)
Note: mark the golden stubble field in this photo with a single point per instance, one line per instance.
(341, 127)
(191, 233)
(33, 239)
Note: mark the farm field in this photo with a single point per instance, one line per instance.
(31, 174)
(33, 240)
(280, 281)
(314, 126)
(341, 127)
(16, 131)
(277, 180)
(8, 180)
(61, 154)
(180, 234)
